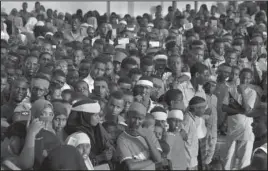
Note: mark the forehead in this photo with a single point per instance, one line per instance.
(246, 74)
(32, 59)
(157, 81)
(114, 100)
(100, 64)
(100, 83)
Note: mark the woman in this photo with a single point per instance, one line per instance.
(84, 117)
(65, 157)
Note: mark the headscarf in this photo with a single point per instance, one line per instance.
(93, 21)
(30, 24)
(64, 157)
(76, 139)
(79, 120)
(38, 106)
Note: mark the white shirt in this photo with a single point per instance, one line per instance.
(89, 80)
(189, 92)
(239, 126)
(212, 70)
(65, 87)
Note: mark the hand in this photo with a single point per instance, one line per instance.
(184, 135)
(35, 127)
(141, 132)
(138, 98)
(208, 111)
(241, 88)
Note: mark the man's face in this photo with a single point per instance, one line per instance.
(19, 91)
(11, 75)
(231, 59)
(245, 78)
(75, 24)
(109, 68)
(47, 48)
(143, 47)
(178, 103)
(84, 70)
(117, 66)
(134, 120)
(98, 46)
(45, 59)
(158, 88)
(82, 88)
(224, 72)
(174, 124)
(59, 122)
(238, 49)
(90, 32)
(147, 70)
(144, 90)
(115, 106)
(99, 70)
(234, 74)
(219, 48)
(104, 30)
(199, 55)
(24, 6)
(100, 89)
(78, 57)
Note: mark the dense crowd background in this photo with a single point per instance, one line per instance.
(87, 91)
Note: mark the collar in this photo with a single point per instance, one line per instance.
(191, 115)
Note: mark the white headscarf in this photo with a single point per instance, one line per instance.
(76, 139)
(93, 21)
(30, 24)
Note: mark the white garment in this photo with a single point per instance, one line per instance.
(89, 80)
(65, 87)
(239, 126)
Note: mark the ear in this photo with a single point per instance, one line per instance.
(197, 74)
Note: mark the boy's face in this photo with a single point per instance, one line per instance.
(59, 80)
(219, 48)
(3, 84)
(46, 58)
(59, 122)
(158, 131)
(78, 57)
(125, 86)
(231, 59)
(56, 94)
(234, 74)
(199, 111)
(100, 89)
(31, 66)
(178, 103)
(112, 131)
(72, 77)
(147, 70)
(245, 78)
(84, 70)
(66, 96)
(128, 101)
(175, 64)
(115, 106)
(82, 88)
(99, 70)
(174, 124)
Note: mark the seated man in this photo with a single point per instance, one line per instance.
(138, 147)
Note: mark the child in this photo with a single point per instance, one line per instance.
(160, 116)
(177, 153)
(82, 143)
(112, 130)
(82, 87)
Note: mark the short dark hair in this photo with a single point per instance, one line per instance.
(126, 80)
(59, 72)
(248, 70)
(198, 68)
(127, 61)
(171, 95)
(107, 124)
(117, 95)
(134, 71)
(146, 61)
(102, 79)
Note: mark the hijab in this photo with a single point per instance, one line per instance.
(30, 24)
(76, 139)
(65, 157)
(80, 121)
(93, 21)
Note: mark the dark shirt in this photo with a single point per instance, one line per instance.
(7, 111)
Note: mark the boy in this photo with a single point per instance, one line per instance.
(72, 77)
(78, 56)
(82, 87)
(60, 78)
(177, 153)
(174, 99)
(101, 88)
(124, 84)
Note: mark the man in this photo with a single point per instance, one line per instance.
(199, 74)
(126, 65)
(259, 126)
(131, 153)
(238, 102)
(195, 127)
(147, 66)
(59, 78)
(31, 66)
(25, 15)
(158, 89)
(18, 93)
(118, 58)
(75, 33)
(44, 59)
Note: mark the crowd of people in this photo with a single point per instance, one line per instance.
(86, 91)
